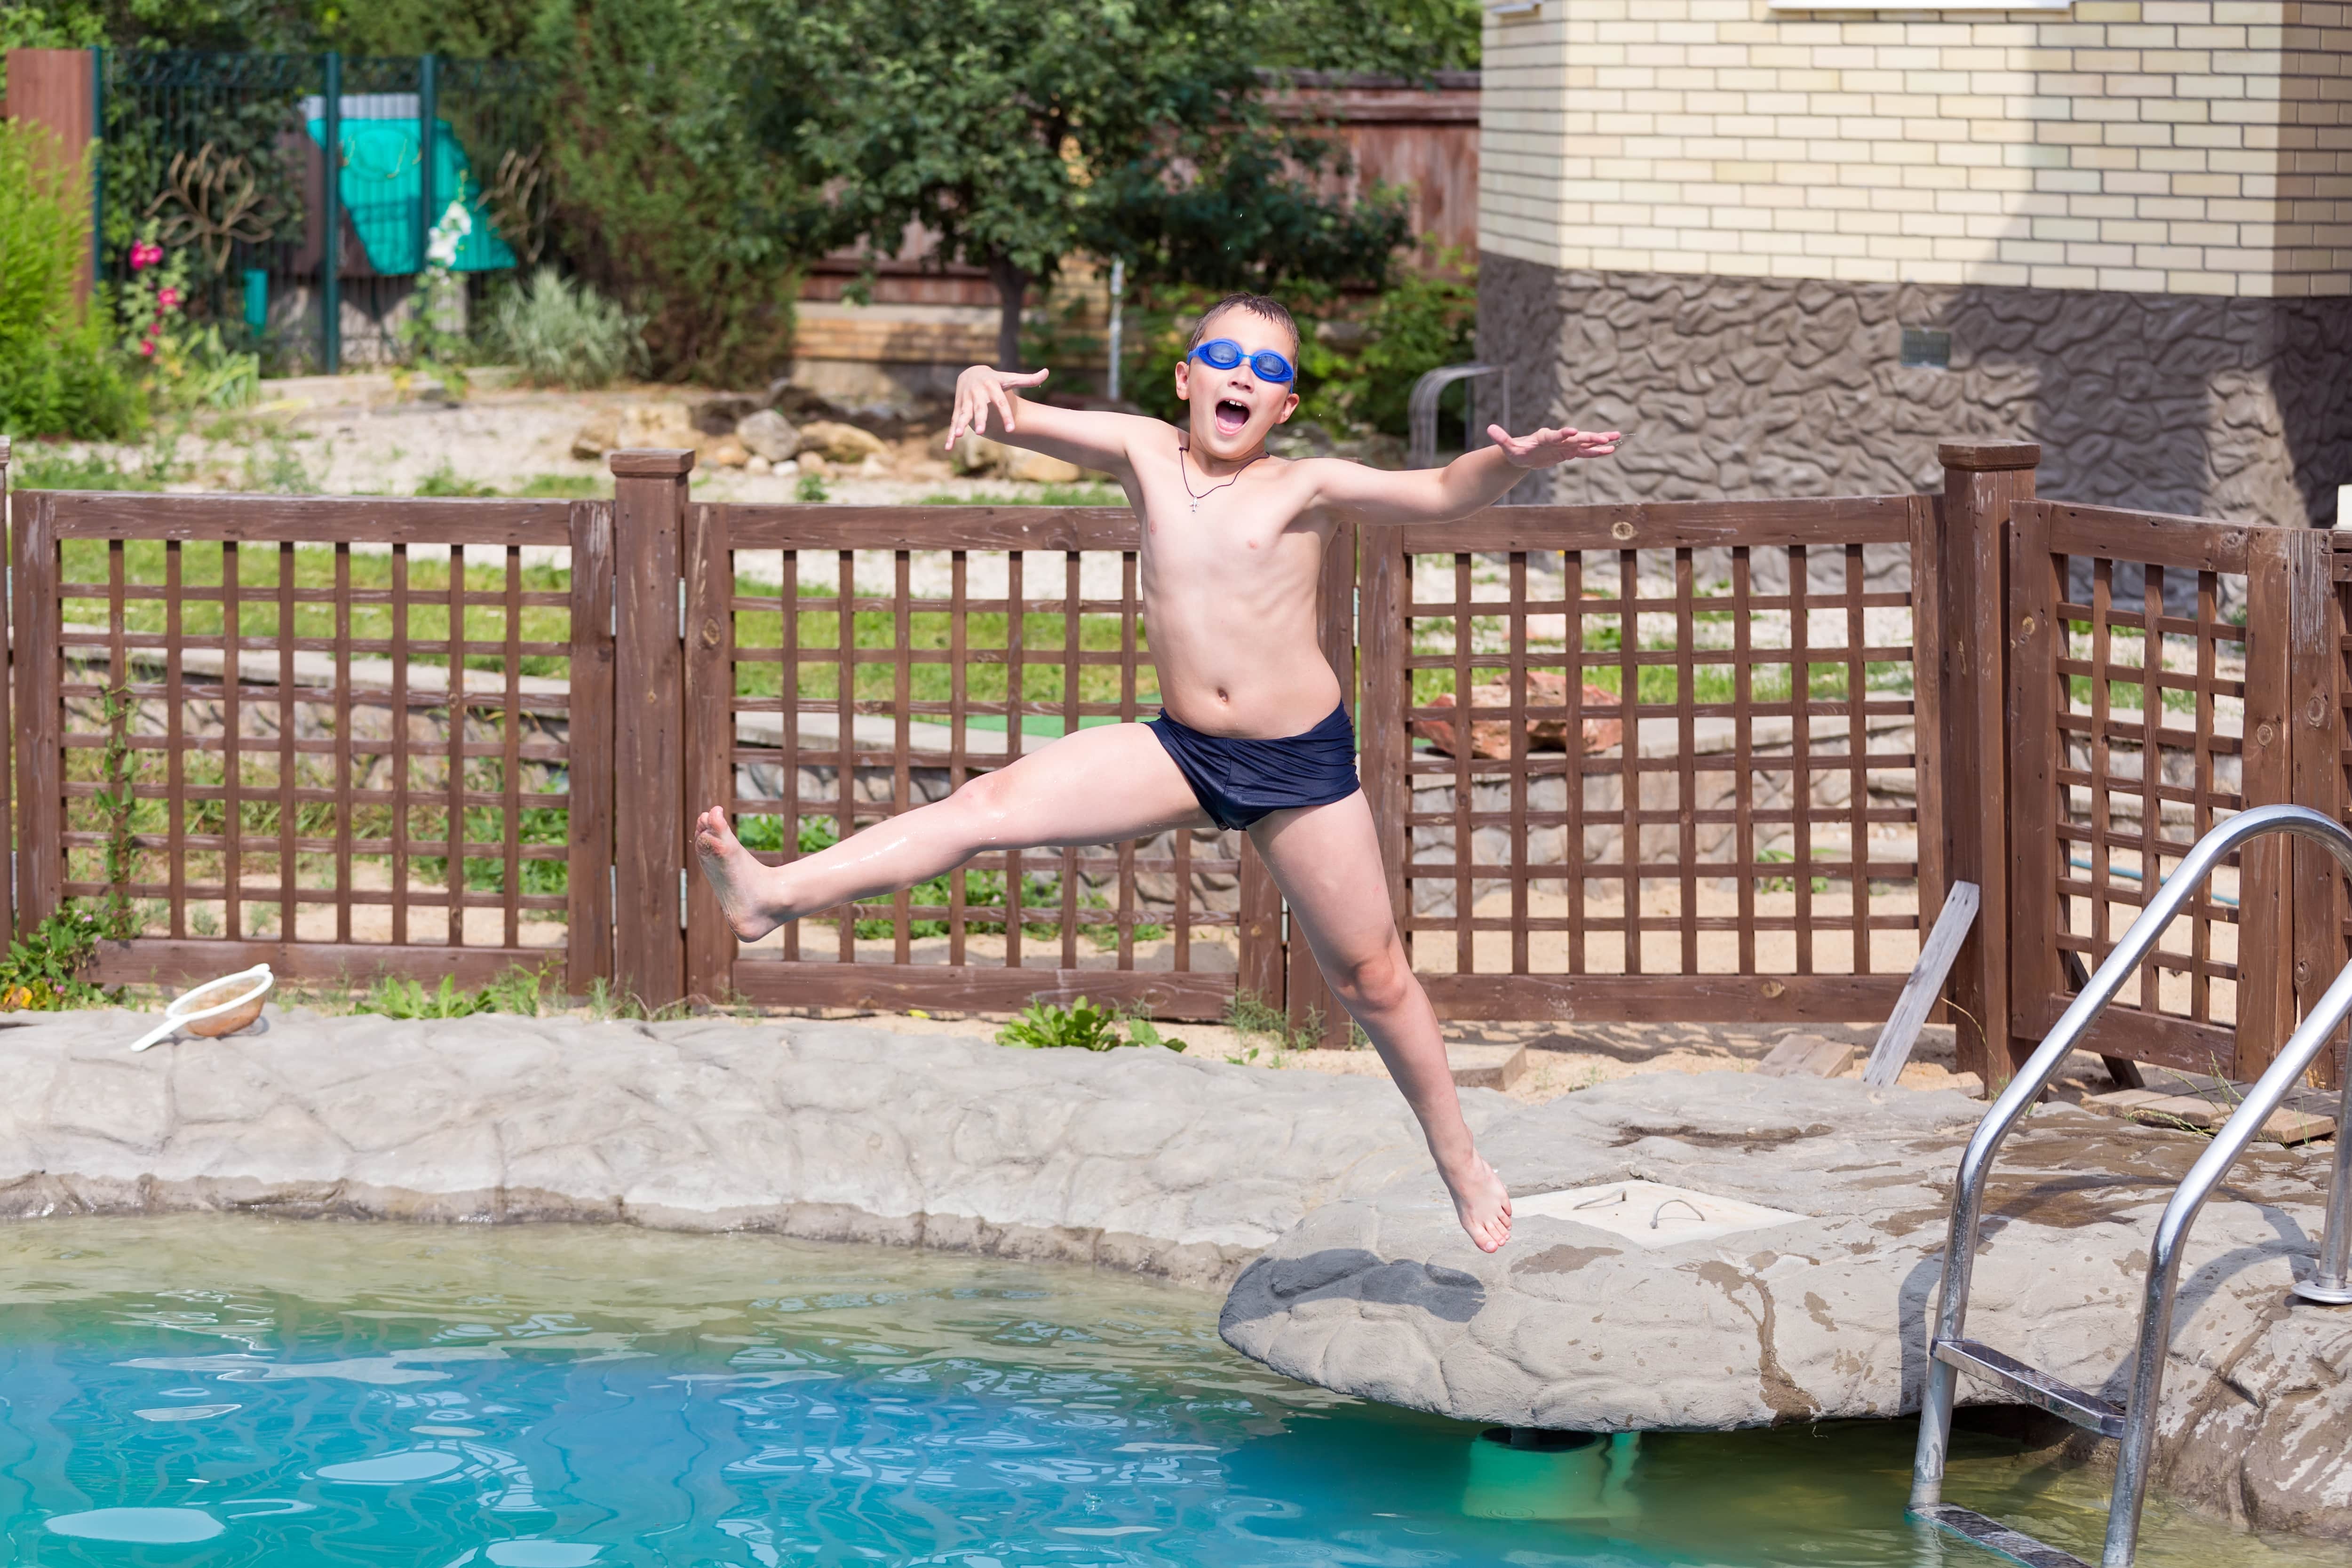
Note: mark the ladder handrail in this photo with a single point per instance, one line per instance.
(2002, 1117)
(2266, 1094)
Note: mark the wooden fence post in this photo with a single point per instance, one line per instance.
(710, 738)
(649, 817)
(8, 728)
(1308, 996)
(2315, 630)
(2266, 948)
(1982, 480)
(588, 943)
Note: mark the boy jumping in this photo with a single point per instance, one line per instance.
(1255, 732)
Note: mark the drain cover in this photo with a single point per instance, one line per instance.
(1651, 1213)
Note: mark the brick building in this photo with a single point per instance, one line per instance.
(1786, 249)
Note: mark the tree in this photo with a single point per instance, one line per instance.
(671, 195)
(1019, 133)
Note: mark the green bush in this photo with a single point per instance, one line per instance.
(58, 376)
(565, 334)
(1426, 318)
(670, 196)
(43, 970)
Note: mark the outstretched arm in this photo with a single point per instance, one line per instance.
(989, 402)
(1470, 483)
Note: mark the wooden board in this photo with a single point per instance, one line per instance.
(1924, 986)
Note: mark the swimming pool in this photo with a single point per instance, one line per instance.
(214, 1390)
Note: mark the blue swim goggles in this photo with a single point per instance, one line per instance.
(1223, 354)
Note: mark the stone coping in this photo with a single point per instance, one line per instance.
(1137, 1158)
(1572, 1326)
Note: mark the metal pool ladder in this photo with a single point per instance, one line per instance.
(1951, 1352)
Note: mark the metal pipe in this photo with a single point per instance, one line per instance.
(1968, 1194)
(330, 220)
(1117, 297)
(428, 114)
(2244, 1125)
(2329, 1284)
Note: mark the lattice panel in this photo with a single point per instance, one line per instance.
(941, 680)
(1681, 764)
(290, 742)
(2151, 723)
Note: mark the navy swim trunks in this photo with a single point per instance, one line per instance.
(1238, 780)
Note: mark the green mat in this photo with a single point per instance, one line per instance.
(380, 185)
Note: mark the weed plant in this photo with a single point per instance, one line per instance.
(562, 333)
(59, 375)
(1081, 1025)
(43, 970)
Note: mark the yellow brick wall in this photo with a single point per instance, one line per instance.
(2186, 146)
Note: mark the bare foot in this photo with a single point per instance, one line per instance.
(733, 872)
(1481, 1203)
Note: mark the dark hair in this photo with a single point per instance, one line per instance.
(1256, 305)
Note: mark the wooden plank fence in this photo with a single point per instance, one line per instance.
(1689, 761)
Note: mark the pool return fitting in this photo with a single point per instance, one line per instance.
(2134, 1422)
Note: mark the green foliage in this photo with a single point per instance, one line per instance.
(1248, 1013)
(810, 490)
(1022, 132)
(1045, 495)
(1426, 318)
(43, 969)
(400, 996)
(565, 334)
(675, 196)
(1081, 1025)
(1383, 37)
(519, 990)
(35, 470)
(58, 377)
(1246, 222)
(185, 365)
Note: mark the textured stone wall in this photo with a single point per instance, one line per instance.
(1729, 386)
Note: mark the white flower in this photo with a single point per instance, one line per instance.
(441, 247)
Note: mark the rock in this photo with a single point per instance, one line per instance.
(1140, 1159)
(758, 465)
(724, 452)
(1584, 1326)
(977, 455)
(840, 443)
(723, 414)
(1039, 469)
(1492, 737)
(664, 425)
(1379, 450)
(1300, 438)
(600, 434)
(813, 464)
(768, 434)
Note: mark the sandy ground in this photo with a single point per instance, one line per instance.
(1561, 1058)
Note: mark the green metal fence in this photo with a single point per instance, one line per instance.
(229, 152)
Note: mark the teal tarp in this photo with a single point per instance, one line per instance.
(381, 188)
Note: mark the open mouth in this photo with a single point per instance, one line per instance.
(1231, 417)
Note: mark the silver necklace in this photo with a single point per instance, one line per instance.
(1183, 471)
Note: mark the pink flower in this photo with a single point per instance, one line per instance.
(144, 255)
(167, 298)
(147, 348)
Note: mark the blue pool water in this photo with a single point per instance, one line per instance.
(201, 1391)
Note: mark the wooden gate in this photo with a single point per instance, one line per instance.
(2166, 673)
(846, 664)
(1734, 810)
